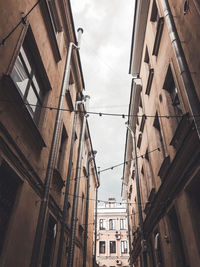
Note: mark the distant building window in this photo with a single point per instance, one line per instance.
(102, 247)
(112, 247)
(26, 77)
(112, 224)
(102, 224)
(124, 247)
(123, 224)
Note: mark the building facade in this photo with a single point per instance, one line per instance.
(112, 234)
(161, 177)
(46, 154)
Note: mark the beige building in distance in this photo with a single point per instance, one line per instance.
(112, 234)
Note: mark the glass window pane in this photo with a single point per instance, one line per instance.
(19, 76)
(26, 60)
(32, 99)
(37, 87)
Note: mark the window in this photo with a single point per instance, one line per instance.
(8, 191)
(139, 141)
(194, 206)
(123, 224)
(142, 123)
(69, 92)
(157, 23)
(177, 241)
(171, 88)
(102, 247)
(149, 81)
(102, 224)
(82, 208)
(54, 16)
(146, 56)
(26, 76)
(154, 13)
(112, 224)
(62, 150)
(124, 247)
(112, 247)
(156, 124)
(49, 242)
(157, 246)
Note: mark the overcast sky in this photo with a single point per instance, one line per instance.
(105, 54)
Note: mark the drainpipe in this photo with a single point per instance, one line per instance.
(143, 241)
(52, 160)
(87, 209)
(95, 221)
(67, 187)
(76, 192)
(187, 81)
(128, 217)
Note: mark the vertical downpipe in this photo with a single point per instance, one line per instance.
(76, 193)
(87, 210)
(143, 241)
(95, 228)
(67, 187)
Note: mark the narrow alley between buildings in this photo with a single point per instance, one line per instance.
(113, 183)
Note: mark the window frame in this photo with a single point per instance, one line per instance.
(34, 130)
(62, 149)
(124, 246)
(102, 224)
(112, 224)
(25, 56)
(113, 250)
(103, 247)
(123, 222)
(54, 231)
(170, 78)
(28, 37)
